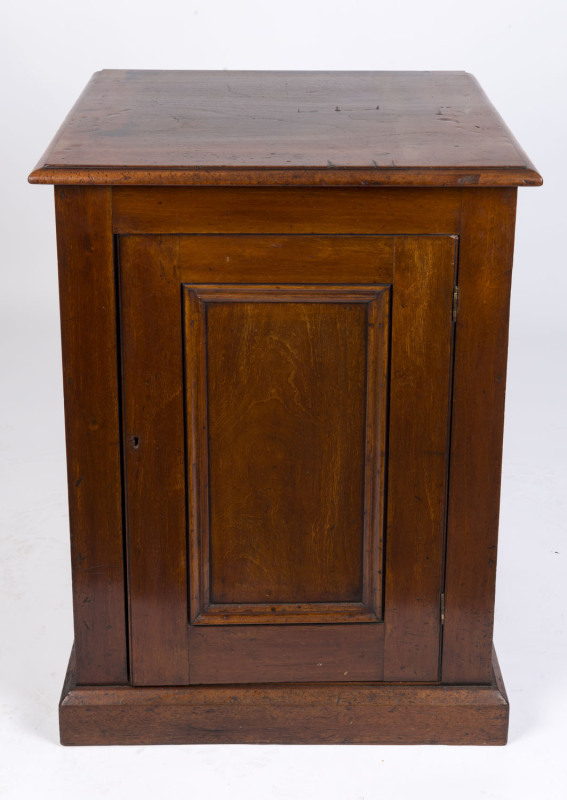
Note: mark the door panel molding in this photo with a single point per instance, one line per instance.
(198, 299)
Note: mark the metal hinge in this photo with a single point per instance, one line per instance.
(456, 291)
(443, 609)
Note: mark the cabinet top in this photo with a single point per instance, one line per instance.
(139, 127)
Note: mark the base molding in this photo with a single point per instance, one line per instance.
(326, 713)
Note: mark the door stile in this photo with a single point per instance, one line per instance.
(420, 376)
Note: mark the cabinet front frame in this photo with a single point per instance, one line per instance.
(86, 219)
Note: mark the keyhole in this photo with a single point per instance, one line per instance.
(134, 442)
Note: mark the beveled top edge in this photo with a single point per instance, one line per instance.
(244, 128)
(208, 176)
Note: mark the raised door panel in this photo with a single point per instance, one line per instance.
(286, 391)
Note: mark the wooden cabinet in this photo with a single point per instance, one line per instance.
(284, 346)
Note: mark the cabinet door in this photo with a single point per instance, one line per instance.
(286, 409)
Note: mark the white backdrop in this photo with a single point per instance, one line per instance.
(47, 53)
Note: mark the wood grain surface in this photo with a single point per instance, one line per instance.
(254, 209)
(424, 274)
(286, 259)
(287, 396)
(348, 574)
(87, 292)
(154, 455)
(481, 347)
(284, 128)
(286, 653)
(324, 713)
(286, 417)
(283, 443)
(260, 486)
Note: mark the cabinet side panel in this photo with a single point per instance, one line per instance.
(481, 344)
(152, 361)
(90, 375)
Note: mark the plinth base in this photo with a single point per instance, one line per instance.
(327, 713)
